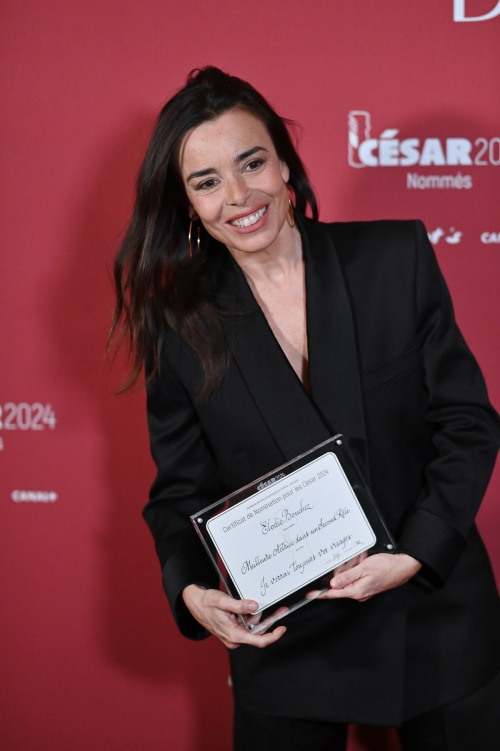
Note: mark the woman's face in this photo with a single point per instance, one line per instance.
(235, 182)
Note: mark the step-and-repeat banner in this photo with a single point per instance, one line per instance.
(399, 117)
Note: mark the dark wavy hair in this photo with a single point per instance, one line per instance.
(155, 279)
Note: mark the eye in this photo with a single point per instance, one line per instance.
(207, 184)
(254, 164)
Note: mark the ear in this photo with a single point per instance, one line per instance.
(192, 213)
(285, 172)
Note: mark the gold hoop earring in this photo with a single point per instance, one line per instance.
(189, 239)
(292, 215)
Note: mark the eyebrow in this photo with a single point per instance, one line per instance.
(237, 159)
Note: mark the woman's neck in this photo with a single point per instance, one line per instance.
(276, 263)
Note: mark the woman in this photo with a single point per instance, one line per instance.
(264, 332)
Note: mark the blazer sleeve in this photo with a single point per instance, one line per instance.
(186, 481)
(465, 429)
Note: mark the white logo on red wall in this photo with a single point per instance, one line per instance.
(25, 416)
(33, 496)
(391, 149)
(459, 12)
(452, 238)
(490, 237)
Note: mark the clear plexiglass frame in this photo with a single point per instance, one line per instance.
(278, 539)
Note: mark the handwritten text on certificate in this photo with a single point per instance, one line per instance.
(294, 531)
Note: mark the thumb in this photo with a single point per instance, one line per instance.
(237, 606)
(342, 580)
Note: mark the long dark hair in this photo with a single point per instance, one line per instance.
(154, 276)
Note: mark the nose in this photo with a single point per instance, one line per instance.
(237, 190)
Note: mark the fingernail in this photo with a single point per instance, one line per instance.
(252, 606)
(334, 583)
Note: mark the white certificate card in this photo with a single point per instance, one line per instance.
(291, 532)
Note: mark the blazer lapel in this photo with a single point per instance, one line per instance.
(333, 359)
(297, 420)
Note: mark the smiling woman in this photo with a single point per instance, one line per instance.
(243, 201)
(220, 154)
(263, 332)
(246, 192)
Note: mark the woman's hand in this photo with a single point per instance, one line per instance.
(350, 564)
(216, 611)
(372, 575)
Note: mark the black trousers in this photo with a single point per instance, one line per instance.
(465, 725)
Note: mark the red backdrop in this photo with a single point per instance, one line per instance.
(91, 658)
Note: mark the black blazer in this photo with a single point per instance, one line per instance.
(390, 369)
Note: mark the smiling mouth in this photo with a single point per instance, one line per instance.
(247, 221)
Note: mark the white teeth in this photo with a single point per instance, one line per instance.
(248, 220)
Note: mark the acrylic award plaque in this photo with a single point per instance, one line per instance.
(283, 535)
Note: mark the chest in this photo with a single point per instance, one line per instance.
(284, 306)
